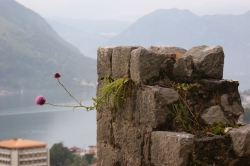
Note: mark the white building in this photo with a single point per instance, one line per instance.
(21, 152)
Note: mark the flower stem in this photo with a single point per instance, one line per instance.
(72, 106)
(80, 105)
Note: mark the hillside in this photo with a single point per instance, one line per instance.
(31, 52)
(185, 29)
(87, 35)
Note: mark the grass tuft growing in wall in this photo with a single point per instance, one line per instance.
(114, 93)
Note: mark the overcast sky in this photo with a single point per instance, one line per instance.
(130, 10)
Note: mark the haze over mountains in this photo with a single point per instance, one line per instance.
(184, 29)
(87, 35)
(31, 52)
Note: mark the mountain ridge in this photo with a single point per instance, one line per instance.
(184, 29)
(31, 52)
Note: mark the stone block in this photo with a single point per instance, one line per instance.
(152, 104)
(177, 51)
(133, 149)
(172, 54)
(183, 68)
(107, 155)
(232, 104)
(166, 68)
(213, 114)
(121, 61)
(127, 110)
(170, 148)
(145, 65)
(241, 140)
(104, 134)
(104, 62)
(120, 134)
(103, 118)
(201, 62)
(212, 150)
(219, 85)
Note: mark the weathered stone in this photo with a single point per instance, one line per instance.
(152, 105)
(145, 65)
(146, 149)
(120, 134)
(201, 62)
(208, 60)
(212, 150)
(103, 117)
(172, 54)
(183, 68)
(178, 51)
(241, 140)
(133, 149)
(107, 155)
(234, 106)
(221, 85)
(126, 112)
(166, 68)
(103, 129)
(170, 95)
(136, 133)
(213, 114)
(104, 62)
(170, 148)
(121, 61)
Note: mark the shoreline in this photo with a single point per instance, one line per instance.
(12, 92)
(6, 92)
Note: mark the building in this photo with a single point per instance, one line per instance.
(22, 152)
(75, 150)
(92, 150)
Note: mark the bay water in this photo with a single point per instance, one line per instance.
(20, 117)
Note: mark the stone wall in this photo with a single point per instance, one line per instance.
(146, 131)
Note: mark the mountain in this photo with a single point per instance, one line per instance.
(31, 52)
(87, 35)
(185, 29)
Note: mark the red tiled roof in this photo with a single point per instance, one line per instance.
(74, 148)
(18, 143)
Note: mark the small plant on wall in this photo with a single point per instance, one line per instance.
(187, 117)
(114, 93)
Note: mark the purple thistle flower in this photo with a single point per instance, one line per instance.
(57, 75)
(40, 100)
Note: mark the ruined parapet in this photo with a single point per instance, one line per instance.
(148, 128)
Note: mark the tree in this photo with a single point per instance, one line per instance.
(67, 162)
(80, 161)
(60, 155)
(94, 160)
(89, 157)
(84, 162)
(77, 160)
